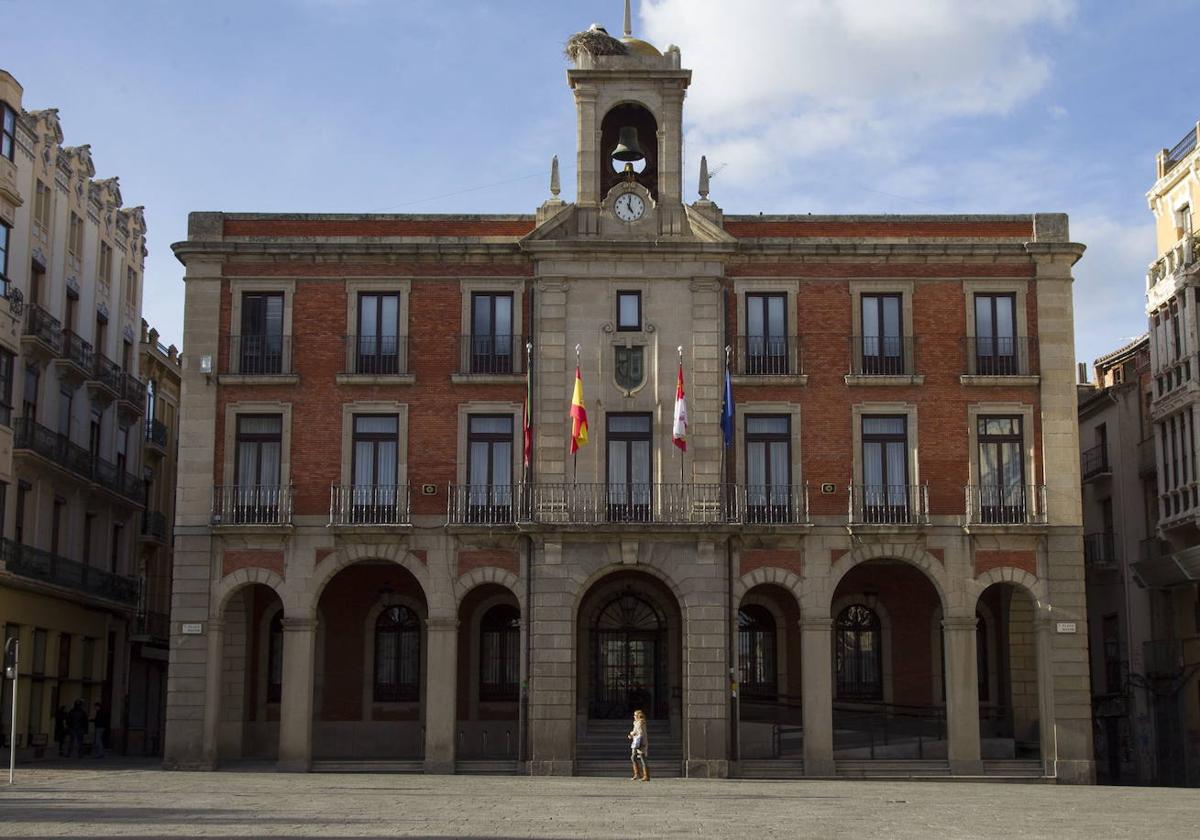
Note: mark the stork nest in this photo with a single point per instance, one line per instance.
(594, 42)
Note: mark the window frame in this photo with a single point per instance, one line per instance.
(507, 661)
(8, 131)
(5, 243)
(485, 352)
(401, 691)
(888, 510)
(765, 361)
(874, 627)
(382, 363)
(764, 658)
(257, 439)
(636, 295)
(630, 505)
(769, 511)
(7, 364)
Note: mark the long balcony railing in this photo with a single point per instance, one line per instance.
(76, 350)
(377, 355)
(490, 504)
(1177, 258)
(133, 392)
(259, 355)
(43, 326)
(368, 505)
(258, 504)
(107, 373)
(62, 452)
(889, 504)
(778, 504)
(1012, 504)
(882, 355)
(1094, 462)
(36, 564)
(490, 354)
(768, 355)
(999, 356)
(1100, 550)
(1179, 151)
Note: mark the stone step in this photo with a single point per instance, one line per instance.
(770, 768)
(620, 769)
(1014, 768)
(890, 768)
(350, 766)
(487, 768)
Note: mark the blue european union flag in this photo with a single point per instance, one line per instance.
(727, 410)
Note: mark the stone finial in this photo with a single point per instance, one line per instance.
(555, 185)
(628, 20)
(703, 178)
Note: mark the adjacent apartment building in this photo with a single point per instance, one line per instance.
(393, 547)
(74, 473)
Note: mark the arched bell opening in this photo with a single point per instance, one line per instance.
(489, 675)
(371, 665)
(770, 719)
(885, 699)
(629, 115)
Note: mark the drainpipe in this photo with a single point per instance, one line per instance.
(523, 723)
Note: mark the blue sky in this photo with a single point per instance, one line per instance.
(823, 106)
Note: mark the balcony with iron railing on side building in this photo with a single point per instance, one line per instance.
(365, 506)
(59, 451)
(1093, 463)
(155, 436)
(49, 568)
(1100, 551)
(767, 358)
(1168, 159)
(252, 506)
(1002, 356)
(131, 402)
(257, 355)
(41, 334)
(104, 384)
(75, 359)
(154, 528)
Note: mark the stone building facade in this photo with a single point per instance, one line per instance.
(883, 571)
(72, 403)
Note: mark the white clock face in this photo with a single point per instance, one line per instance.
(629, 207)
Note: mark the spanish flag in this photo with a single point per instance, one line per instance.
(579, 431)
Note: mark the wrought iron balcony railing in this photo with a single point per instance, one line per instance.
(490, 354)
(1100, 550)
(52, 446)
(1094, 462)
(156, 625)
(107, 373)
(259, 504)
(259, 355)
(43, 326)
(778, 504)
(1012, 504)
(882, 355)
(889, 504)
(1179, 151)
(632, 503)
(368, 505)
(156, 433)
(133, 392)
(154, 524)
(377, 355)
(999, 356)
(486, 504)
(76, 350)
(36, 564)
(768, 355)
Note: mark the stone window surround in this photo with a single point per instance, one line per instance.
(998, 409)
(792, 410)
(238, 287)
(788, 287)
(885, 640)
(892, 409)
(904, 288)
(232, 410)
(400, 410)
(465, 410)
(499, 285)
(401, 286)
(392, 599)
(1018, 288)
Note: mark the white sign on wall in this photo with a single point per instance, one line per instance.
(192, 629)
(1066, 627)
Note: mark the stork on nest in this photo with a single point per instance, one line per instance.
(595, 41)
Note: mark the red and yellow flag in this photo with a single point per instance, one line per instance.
(579, 429)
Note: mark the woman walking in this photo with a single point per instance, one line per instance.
(639, 747)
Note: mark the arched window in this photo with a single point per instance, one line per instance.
(757, 660)
(275, 658)
(859, 650)
(500, 655)
(397, 655)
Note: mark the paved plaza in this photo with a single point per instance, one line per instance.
(134, 800)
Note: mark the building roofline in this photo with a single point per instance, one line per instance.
(1123, 350)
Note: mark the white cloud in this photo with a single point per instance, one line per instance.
(785, 79)
(1110, 282)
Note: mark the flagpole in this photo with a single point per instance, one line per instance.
(682, 453)
(575, 454)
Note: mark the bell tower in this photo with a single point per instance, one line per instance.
(629, 119)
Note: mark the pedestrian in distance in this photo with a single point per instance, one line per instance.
(60, 730)
(639, 747)
(77, 722)
(100, 723)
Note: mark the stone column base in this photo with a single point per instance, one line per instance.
(819, 768)
(190, 766)
(1075, 772)
(706, 768)
(553, 767)
(439, 767)
(966, 767)
(293, 765)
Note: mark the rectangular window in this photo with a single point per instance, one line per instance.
(32, 383)
(996, 335)
(5, 231)
(41, 205)
(768, 468)
(105, 269)
(629, 492)
(629, 310)
(89, 529)
(88, 666)
(64, 655)
(1001, 470)
(378, 348)
(130, 286)
(885, 491)
(6, 386)
(114, 557)
(257, 467)
(122, 450)
(3, 506)
(37, 665)
(37, 277)
(8, 130)
(64, 412)
(491, 332)
(94, 433)
(489, 467)
(58, 524)
(260, 350)
(23, 488)
(75, 236)
(882, 348)
(69, 314)
(766, 334)
(375, 467)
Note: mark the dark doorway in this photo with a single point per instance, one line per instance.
(629, 657)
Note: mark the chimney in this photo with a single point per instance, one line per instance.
(1083, 373)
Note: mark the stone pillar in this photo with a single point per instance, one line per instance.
(962, 696)
(1048, 724)
(441, 697)
(212, 693)
(296, 708)
(816, 668)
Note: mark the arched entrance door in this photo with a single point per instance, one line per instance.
(629, 656)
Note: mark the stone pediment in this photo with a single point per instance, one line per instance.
(570, 226)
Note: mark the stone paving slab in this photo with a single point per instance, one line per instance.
(95, 799)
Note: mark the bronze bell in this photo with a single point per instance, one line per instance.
(627, 145)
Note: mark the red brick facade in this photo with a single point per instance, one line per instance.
(232, 561)
(985, 561)
(790, 560)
